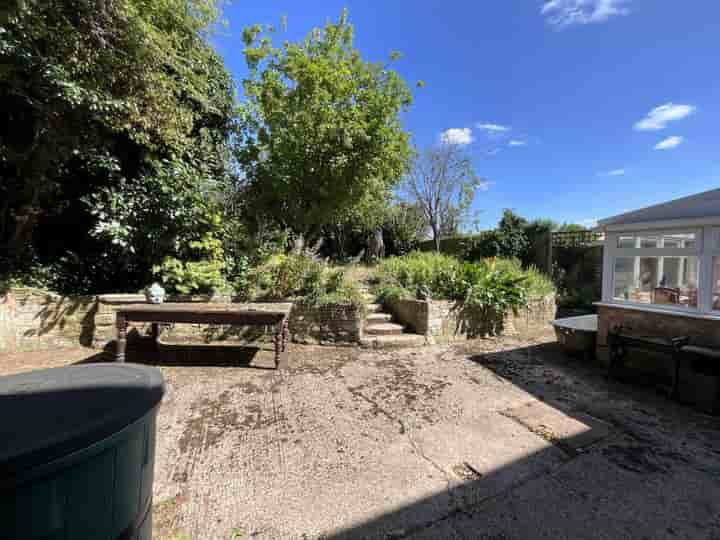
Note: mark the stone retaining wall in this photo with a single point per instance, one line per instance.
(7, 325)
(443, 319)
(326, 325)
(34, 320)
(37, 320)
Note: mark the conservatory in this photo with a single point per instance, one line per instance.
(661, 270)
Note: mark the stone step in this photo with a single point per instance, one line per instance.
(378, 318)
(374, 308)
(384, 329)
(398, 341)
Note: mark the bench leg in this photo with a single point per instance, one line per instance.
(121, 344)
(281, 345)
(675, 391)
(617, 360)
(155, 335)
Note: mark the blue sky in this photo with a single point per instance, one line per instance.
(610, 105)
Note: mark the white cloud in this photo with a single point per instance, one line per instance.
(494, 128)
(659, 117)
(589, 223)
(460, 136)
(484, 185)
(517, 143)
(669, 143)
(614, 172)
(564, 13)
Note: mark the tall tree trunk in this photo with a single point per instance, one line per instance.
(436, 237)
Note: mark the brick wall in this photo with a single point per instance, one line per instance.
(443, 319)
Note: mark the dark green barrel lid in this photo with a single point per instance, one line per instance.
(51, 413)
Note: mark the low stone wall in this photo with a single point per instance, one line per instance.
(7, 323)
(645, 323)
(443, 319)
(36, 320)
(323, 325)
(326, 325)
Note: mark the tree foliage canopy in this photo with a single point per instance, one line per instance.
(320, 132)
(97, 96)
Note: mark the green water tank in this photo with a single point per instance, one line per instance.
(77, 451)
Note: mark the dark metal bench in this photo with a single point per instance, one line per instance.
(620, 341)
(700, 378)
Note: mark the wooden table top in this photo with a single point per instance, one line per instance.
(176, 310)
(203, 307)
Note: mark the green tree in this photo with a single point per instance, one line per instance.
(320, 131)
(403, 228)
(96, 97)
(442, 182)
(571, 227)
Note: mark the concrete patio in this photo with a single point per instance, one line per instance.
(501, 439)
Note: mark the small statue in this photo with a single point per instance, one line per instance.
(423, 293)
(155, 294)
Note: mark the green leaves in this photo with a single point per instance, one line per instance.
(320, 132)
(123, 105)
(491, 287)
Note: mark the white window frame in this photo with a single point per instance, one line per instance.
(712, 250)
(702, 239)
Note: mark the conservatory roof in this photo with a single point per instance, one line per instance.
(693, 210)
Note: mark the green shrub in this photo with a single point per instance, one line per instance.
(493, 286)
(204, 273)
(538, 283)
(306, 279)
(239, 273)
(198, 277)
(335, 289)
(484, 290)
(433, 272)
(285, 276)
(387, 293)
(68, 274)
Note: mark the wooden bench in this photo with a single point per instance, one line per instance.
(157, 314)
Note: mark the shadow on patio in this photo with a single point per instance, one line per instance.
(616, 461)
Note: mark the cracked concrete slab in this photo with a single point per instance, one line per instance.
(418, 444)
(575, 432)
(487, 456)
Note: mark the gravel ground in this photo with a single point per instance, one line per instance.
(497, 439)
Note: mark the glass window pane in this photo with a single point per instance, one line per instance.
(626, 242)
(654, 241)
(649, 241)
(679, 240)
(624, 277)
(657, 280)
